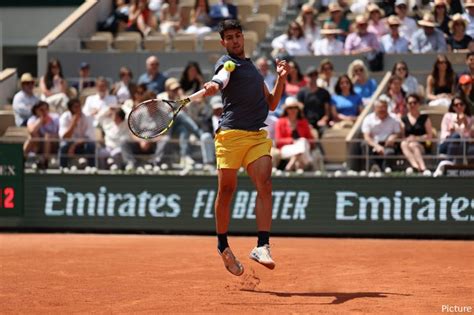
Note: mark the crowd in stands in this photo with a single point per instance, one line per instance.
(438, 27)
(69, 116)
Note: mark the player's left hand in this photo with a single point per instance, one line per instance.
(282, 68)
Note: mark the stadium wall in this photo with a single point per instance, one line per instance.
(441, 207)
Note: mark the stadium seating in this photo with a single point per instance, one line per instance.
(7, 119)
(155, 43)
(184, 42)
(258, 23)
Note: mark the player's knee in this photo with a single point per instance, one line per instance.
(227, 188)
(264, 185)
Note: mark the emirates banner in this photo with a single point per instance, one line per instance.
(427, 207)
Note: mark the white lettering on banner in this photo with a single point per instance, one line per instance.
(351, 206)
(287, 205)
(110, 204)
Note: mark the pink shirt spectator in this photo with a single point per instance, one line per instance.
(379, 29)
(355, 41)
(450, 122)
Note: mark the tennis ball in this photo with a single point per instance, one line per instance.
(229, 66)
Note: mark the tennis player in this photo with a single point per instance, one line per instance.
(241, 141)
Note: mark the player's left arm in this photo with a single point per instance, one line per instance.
(274, 97)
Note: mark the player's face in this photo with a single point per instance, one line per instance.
(233, 42)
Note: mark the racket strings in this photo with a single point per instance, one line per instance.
(150, 119)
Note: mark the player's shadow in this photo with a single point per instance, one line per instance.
(339, 297)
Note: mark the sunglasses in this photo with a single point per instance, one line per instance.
(458, 104)
(412, 103)
(358, 70)
(402, 68)
(442, 62)
(326, 68)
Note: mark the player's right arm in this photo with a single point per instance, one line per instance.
(218, 82)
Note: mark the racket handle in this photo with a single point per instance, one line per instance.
(197, 95)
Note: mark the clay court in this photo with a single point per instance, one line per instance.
(78, 273)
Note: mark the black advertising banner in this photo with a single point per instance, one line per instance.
(303, 205)
(11, 179)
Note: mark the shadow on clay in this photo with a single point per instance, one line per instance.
(339, 297)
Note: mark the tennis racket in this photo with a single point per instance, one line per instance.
(155, 117)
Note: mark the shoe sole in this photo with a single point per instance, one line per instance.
(270, 266)
(234, 273)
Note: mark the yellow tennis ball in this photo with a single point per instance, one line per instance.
(229, 66)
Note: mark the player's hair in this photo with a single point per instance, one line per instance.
(469, 54)
(229, 24)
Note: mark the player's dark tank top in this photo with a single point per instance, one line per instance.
(245, 107)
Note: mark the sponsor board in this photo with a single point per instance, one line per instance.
(329, 206)
(11, 179)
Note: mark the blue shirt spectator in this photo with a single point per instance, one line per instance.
(152, 78)
(428, 39)
(367, 89)
(393, 43)
(347, 105)
(222, 11)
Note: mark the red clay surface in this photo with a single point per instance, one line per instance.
(130, 274)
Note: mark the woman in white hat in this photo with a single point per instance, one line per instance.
(376, 23)
(293, 136)
(458, 41)
(440, 12)
(329, 45)
(307, 19)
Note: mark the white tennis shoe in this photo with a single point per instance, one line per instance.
(263, 256)
(231, 263)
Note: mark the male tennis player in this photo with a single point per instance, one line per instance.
(241, 141)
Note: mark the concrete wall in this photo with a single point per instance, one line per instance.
(8, 85)
(25, 26)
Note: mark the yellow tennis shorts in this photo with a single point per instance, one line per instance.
(236, 148)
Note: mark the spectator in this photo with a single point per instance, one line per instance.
(140, 18)
(441, 16)
(84, 81)
(363, 85)
(326, 78)
(409, 82)
(361, 41)
(456, 129)
(376, 24)
(337, 17)
(222, 11)
(293, 42)
(393, 43)
(469, 17)
(191, 79)
(153, 78)
(171, 18)
(184, 126)
(116, 133)
(465, 91)
(380, 133)
(408, 25)
(418, 133)
(100, 100)
(293, 136)
(137, 97)
(345, 104)
(24, 100)
(77, 133)
(329, 45)
(307, 19)
(428, 39)
(124, 89)
(200, 21)
(150, 150)
(395, 93)
(43, 129)
(217, 110)
(295, 79)
(54, 87)
(315, 101)
(458, 41)
(263, 66)
(440, 83)
(118, 20)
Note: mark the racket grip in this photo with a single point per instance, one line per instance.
(197, 95)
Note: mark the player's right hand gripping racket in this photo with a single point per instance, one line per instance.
(155, 117)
